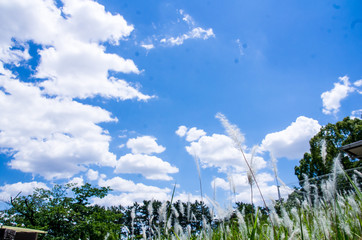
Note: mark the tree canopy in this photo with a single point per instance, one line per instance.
(65, 212)
(324, 148)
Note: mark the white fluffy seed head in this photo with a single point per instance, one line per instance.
(323, 144)
(232, 130)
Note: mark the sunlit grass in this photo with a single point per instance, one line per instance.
(334, 216)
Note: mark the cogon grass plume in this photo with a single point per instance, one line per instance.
(324, 150)
(249, 174)
(232, 186)
(199, 172)
(238, 138)
(275, 170)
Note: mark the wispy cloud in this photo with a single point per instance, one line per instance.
(148, 46)
(187, 18)
(195, 32)
(241, 47)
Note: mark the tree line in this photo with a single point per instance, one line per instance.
(66, 213)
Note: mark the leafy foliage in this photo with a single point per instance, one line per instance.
(316, 167)
(65, 213)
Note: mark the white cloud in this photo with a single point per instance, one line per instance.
(24, 20)
(78, 69)
(219, 151)
(356, 114)
(187, 197)
(127, 199)
(147, 46)
(122, 185)
(242, 187)
(145, 144)
(270, 193)
(332, 99)
(73, 63)
(293, 141)
(193, 134)
(358, 83)
(92, 175)
(151, 167)
(240, 46)
(187, 18)
(220, 183)
(196, 33)
(222, 152)
(78, 181)
(90, 22)
(181, 131)
(131, 192)
(11, 190)
(55, 138)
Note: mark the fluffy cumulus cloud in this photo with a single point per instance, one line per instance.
(42, 127)
(52, 137)
(90, 21)
(92, 175)
(181, 131)
(223, 153)
(192, 134)
(130, 192)
(77, 181)
(219, 151)
(239, 183)
(151, 167)
(145, 144)
(11, 190)
(122, 185)
(332, 99)
(220, 183)
(293, 141)
(89, 65)
(126, 192)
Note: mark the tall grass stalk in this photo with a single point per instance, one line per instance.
(301, 221)
(199, 173)
(330, 215)
(235, 134)
(275, 170)
(249, 174)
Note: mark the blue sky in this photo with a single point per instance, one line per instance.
(125, 93)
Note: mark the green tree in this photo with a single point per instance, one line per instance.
(316, 166)
(65, 212)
